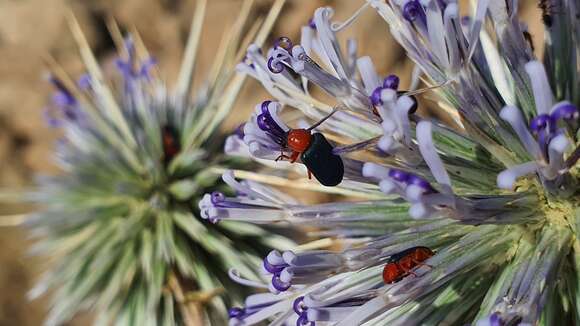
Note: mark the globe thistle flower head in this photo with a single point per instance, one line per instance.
(489, 188)
(121, 223)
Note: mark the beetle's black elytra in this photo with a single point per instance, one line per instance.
(326, 166)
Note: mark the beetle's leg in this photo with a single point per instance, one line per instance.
(281, 157)
(294, 157)
(419, 263)
(408, 271)
(309, 174)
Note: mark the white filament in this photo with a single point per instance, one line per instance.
(507, 178)
(540, 86)
(335, 27)
(368, 74)
(512, 115)
(429, 153)
(235, 276)
(373, 170)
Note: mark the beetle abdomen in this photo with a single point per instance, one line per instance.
(326, 166)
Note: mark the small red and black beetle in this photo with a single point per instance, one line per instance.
(316, 153)
(171, 144)
(401, 264)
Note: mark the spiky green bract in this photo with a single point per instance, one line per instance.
(120, 224)
(563, 48)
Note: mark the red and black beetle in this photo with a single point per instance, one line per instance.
(401, 264)
(316, 153)
(170, 142)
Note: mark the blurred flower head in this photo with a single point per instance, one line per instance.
(121, 223)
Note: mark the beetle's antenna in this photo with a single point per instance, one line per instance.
(423, 90)
(334, 110)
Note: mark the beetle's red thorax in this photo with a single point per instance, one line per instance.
(299, 140)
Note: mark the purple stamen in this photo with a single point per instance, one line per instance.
(566, 112)
(284, 43)
(412, 10)
(265, 106)
(376, 96)
(63, 99)
(264, 122)
(236, 312)
(124, 68)
(129, 70)
(271, 268)
(303, 320)
(398, 175)
(391, 81)
(62, 96)
(146, 67)
(539, 123)
(279, 285)
(219, 200)
(269, 125)
(275, 67)
(299, 306)
(217, 197)
(84, 82)
(311, 23)
(418, 181)
(465, 20)
(495, 320)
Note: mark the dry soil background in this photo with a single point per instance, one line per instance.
(30, 29)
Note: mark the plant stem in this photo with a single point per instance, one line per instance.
(191, 312)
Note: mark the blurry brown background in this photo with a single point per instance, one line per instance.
(30, 29)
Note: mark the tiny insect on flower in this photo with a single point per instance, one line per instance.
(402, 263)
(316, 153)
(171, 144)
